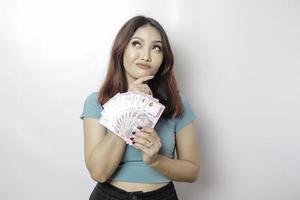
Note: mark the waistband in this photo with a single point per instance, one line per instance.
(114, 191)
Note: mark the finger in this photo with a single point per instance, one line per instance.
(143, 148)
(140, 88)
(143, 87)
(151, 132)
(147, 89)
(147, 129)
(144, 140)
(143, 79)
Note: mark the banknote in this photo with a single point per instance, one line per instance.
(124, 112)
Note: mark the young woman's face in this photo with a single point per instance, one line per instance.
(143, 54)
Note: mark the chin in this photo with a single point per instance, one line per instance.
(142, 75)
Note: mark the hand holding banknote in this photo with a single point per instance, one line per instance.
(148, 141)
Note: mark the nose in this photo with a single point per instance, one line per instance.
(146, 55)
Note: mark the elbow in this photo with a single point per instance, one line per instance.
(98, 176)
(101, 178)
(193, 179)
(194, 175)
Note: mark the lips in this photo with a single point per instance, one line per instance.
(143, 66)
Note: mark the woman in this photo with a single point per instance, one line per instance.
(141, 60)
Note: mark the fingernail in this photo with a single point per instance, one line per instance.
(139, 127)
(131, 138)
(133, 132)
(133, 142)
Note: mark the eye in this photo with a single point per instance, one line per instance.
(135, 43)
(157, 48)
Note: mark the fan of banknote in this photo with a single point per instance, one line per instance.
(124, 112)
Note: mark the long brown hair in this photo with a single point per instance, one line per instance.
(163, 85)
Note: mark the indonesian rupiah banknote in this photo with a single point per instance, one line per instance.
(124, 112)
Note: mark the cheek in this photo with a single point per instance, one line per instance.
(125, 59)
(130, 56)
(158, 60)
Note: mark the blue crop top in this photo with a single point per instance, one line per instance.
(132, 167)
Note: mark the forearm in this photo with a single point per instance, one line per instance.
(177, 170)
(106, 156)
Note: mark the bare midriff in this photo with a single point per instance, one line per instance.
(132, 187)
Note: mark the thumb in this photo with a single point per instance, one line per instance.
(143, 79)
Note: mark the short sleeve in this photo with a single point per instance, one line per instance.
(91, 107)
(188, 115)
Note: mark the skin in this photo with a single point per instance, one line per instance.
(144, 47)
(103, 152)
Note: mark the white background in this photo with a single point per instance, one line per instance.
(236, 60)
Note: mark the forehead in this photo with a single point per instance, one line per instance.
(147, 32)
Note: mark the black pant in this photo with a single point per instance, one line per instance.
(107, 191)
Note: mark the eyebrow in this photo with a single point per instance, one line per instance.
(155, 41)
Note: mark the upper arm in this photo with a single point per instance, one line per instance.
(187, 145)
